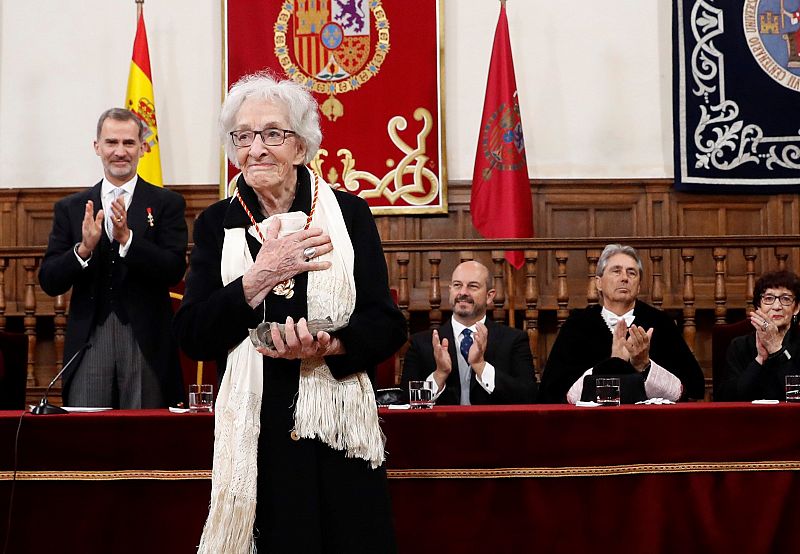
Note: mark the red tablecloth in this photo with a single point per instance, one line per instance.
(685, 478)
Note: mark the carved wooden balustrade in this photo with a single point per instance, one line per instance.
(699, 280)
(559, 275)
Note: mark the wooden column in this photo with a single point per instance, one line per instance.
(592, 296)
(720, 292)
(499, 262)
(689, 326)
(562, 295)
(780, 255)
(531, 301)
(435, 297)
(657, 291)
(3, 266)
(750, 255)
(60, 327)
(403, 299)
(29, 321)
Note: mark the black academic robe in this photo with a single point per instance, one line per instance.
(311, 498)
(748, 380)
(141, 280)
(507, 349)
(584, 341)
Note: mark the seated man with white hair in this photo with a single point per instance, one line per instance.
(623, 337)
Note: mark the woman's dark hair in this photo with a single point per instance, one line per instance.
(776, 280)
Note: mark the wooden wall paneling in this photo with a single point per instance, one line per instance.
(587, 211)
(562, 208)
(198, 198)
(9, 199)
(727, 215)
(34, 222)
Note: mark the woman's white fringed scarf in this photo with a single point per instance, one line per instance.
(341, 413)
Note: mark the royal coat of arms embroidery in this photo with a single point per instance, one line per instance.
(381, 99)
(332, 46)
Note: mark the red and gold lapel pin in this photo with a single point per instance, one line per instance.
(150, 220)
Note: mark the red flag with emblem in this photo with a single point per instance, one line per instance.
(501, 194)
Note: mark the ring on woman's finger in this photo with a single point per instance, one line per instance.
(765, 326)
(118, 219)
(310, 252)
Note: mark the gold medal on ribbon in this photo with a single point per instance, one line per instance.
(285, 288)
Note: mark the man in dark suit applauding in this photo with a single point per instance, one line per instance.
(119, 246)
(472, 360)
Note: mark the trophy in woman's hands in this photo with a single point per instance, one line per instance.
(261, 336)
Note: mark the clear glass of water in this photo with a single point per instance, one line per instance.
(792, 388)
(420, 394)
(201, 398)
(607, 389)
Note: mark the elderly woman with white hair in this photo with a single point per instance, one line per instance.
(298, 452)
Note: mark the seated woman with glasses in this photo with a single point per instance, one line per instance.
(758, 363)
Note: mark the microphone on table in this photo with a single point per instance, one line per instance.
(44, 407)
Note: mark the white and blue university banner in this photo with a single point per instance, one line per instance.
(736, 95)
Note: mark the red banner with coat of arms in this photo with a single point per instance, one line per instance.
(374, 68)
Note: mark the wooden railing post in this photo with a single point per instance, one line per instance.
(562, 296)
(60, 327)
(720, 255)
(435, 297)
(531, 300)
(750, 255)
(3, 266)
(781, 254)
(592, 296)
(657, 292)
(403, 293)
(499, 262)
(29, 321)
(689, 327)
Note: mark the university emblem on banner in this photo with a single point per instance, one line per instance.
(772, 31)
(738, 74)
(331, 46)
(502, 143)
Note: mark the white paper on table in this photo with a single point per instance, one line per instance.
(764, 401)
(586, 404)
(656, 401)
(399, 406)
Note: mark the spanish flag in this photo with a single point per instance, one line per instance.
(140, 100)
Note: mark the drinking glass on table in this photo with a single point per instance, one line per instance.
(792, 388)
(607, 389)
(420, 394)
(201, 398)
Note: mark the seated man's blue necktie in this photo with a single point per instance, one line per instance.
(466, 343)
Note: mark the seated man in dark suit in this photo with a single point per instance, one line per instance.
(472, 360)
(624, 337)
